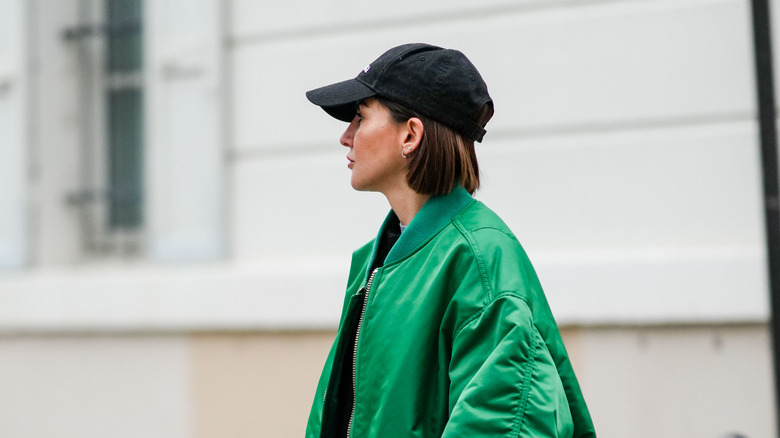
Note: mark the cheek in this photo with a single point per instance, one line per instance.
(376, 144)
(365, 143)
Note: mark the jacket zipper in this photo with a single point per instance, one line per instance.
(354, 353)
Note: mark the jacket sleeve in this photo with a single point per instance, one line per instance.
(503, 382)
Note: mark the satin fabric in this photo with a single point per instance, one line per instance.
(457, 339)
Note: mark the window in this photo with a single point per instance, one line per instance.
(125, 110)
(151, 129)
(109, 47)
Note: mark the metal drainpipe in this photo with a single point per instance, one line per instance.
(768, 128)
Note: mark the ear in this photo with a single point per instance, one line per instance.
(413, 134)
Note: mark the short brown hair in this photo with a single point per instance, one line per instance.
(444, 158)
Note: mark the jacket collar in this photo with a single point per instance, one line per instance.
(432, 217)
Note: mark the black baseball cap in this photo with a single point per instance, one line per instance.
(438, 83)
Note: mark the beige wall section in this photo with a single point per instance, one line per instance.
(639, 382)
(94, 387)
(255, 385)
(676, 381)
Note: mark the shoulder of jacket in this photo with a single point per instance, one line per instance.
(480, 224)
(499, 257)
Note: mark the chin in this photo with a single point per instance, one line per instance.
(361, 187)
(355, 186)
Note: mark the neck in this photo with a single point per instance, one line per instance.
(405, 203)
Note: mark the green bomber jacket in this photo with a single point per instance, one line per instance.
(454, 338)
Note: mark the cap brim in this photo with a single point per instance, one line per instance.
(339, 99)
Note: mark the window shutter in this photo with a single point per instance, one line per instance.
(185, 104)
(14, 133)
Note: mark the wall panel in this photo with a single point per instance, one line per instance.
(598, 67)
(259, 20)
(301, 206)
(682, 186)
(184, 95)
(14, 133)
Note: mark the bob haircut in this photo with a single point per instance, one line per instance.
(444, 158)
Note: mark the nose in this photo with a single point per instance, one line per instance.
(349, 133)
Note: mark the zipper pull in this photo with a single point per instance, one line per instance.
(365, 288)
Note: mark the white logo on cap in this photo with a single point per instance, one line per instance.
(368, 67)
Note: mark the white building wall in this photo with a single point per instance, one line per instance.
(55, 149)
(623, 153)
(185, 136)
(14, 123)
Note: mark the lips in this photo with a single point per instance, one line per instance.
(351, 162)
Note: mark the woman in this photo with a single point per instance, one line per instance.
(445, 330)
